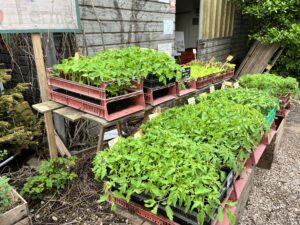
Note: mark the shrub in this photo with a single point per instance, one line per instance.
(5, 189)
(52, 176)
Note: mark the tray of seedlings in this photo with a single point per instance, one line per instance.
(109, 85)
(282, 88)
(186, 85)
(185, 162)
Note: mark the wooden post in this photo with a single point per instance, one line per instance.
(42, 79)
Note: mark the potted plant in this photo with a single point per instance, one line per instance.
(13, 208)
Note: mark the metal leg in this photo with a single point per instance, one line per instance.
(101, 138)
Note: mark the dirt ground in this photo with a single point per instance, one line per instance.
(76, 205)
(275, 197)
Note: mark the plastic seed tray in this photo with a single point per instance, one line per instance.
(94, 100)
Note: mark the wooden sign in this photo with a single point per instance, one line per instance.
(28, 16)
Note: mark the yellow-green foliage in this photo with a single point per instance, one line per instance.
(18, 125)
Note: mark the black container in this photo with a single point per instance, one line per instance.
(152, 81)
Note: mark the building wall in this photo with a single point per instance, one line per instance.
(121, 23)
(236, 45)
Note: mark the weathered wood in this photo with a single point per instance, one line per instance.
(109, 14)
(119, 38)
(42, 79)
(47, 106)
(96, 119)
(91, 26)
(258, 58)
(100, 145)
(279, 135)
(26, 221)
(69, 113)
(61, 147)
(224, 21)
(142, 5)
(16, 214)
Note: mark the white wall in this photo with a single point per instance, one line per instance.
(185, 12)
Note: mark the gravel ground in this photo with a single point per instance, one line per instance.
(275, 197)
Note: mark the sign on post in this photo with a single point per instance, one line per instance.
(29, 16)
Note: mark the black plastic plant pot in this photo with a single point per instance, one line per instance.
(153, 81)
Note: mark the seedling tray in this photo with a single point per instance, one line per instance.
(180, 217)
(284, 101)
(192, 87)
(93, 100)
(270, 117)
(158, 95)
(205, 81)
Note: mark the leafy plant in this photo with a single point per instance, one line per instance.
(3, 154)
(119, 67)
(52, 176)
(270, 83)
(19, 127)
(253, 98)
(5, 199)
(277, 23)
(182, 158)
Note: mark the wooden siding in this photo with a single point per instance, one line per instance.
(217, 19)
(120, 23)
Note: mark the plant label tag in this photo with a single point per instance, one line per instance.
(204, 94)
(213, 59)
(151, 116)
(269, 67)
(192, 101)
(223, 85)
(236, 85)
(194, 51)
(229, 58)
(211, 89)
(113, 142)
(138, 134)
(77, 56)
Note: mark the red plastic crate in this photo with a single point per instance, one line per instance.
(141, 211)
(192, 87)
(169, 90)
(93, 100)
(205, 81)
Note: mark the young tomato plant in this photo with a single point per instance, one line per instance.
(5, 199)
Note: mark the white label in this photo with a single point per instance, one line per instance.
(39, 15)
(165, 48)
(229, 58)
(194, 51)
(113, 142)
(192, 101)
(151, 116)
(236, 85)
(168, 26)
(212, 89)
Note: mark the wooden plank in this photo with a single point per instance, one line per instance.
(69, 113)
(141, 5)
(241, 67)
(16, 214)
(47, 106)
(224, 19)
(213, 18)
(206, 19)
(100, 145)
(228, 18)
(96, 119)
(121, 38)
(26, 221)
(93, 26)
(109, 14)
(218, 19)
(61, 147)
(42, 80)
